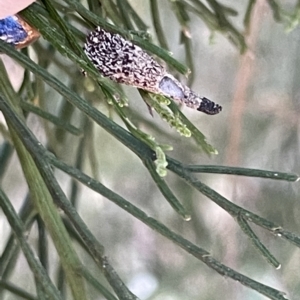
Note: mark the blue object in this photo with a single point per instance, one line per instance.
(11, 31)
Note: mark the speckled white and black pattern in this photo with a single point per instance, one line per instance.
(124, 62)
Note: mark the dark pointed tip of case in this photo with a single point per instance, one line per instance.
(209, 107)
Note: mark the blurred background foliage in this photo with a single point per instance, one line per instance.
(244, 56)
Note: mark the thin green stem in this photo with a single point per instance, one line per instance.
(248, 14)
(16, 290)
(166, 191)
(276, 9)
(34, 264)
(97, 285)
(257, 243)
(70, 38)
(59, 122)
(112, 11)
(124, 14)
(197, 135)
(227, 205)
(157, 24)
(242, 172)
(135, 17)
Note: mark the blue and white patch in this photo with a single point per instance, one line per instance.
(16, 32)
(11, 31)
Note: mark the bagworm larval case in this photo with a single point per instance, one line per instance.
(122, 61)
